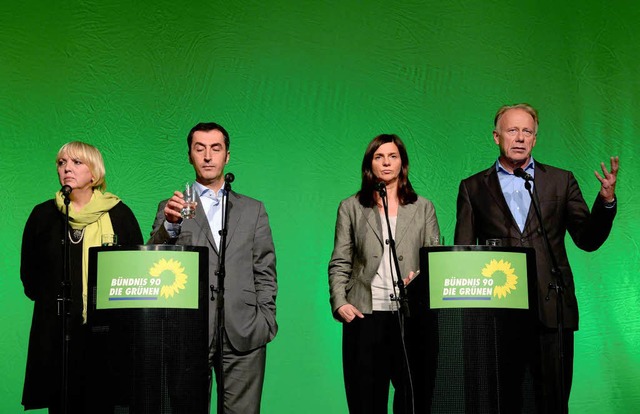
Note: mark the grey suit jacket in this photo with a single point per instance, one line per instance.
(358, 248)
(250, 282)
(483, 214)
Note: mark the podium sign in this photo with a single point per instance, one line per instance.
(147, 279)
(478, 277)
(148, 324)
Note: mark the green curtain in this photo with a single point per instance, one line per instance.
(302, 87)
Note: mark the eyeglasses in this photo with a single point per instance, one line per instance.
(527, 133)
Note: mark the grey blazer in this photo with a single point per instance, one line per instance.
(250, 283)
(358, 248)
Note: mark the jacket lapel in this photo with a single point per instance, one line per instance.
(373, 220)
(406, 215)
(404, 221)
(539, 183)
(233, 219)
(203, 224)
(492, 184)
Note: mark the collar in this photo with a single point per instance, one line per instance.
(530, 168)
(207, 192)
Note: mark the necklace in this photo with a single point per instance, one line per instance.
(77, 235)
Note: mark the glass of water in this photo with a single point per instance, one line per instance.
(189, 210)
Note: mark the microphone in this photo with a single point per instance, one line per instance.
(66, 190)
(229, 177)
(519, 172)
(381, 187)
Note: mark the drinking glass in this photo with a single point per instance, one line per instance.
(189, 210)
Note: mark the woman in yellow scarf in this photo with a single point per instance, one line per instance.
(92, 213)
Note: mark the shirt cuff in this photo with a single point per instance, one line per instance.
(173, 229)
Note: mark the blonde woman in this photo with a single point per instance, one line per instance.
(92, 213)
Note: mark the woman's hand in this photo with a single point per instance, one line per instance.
(408, 279)
(348, 312)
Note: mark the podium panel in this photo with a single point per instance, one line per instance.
(481, 305)
(147, 322)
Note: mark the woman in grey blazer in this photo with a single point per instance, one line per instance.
(362, 277)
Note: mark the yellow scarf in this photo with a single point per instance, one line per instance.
(94, 219)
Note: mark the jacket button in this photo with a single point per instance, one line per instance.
(399, 257)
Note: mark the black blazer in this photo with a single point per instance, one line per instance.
(483, 213)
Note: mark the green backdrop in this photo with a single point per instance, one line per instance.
(303, 86)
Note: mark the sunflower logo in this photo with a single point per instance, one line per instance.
(510, 279)
(173, 282)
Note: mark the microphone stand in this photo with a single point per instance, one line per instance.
(556, 285)
(221, 273)
(64, 308)
(401, 298)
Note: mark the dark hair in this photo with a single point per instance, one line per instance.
(206, 127)
(406, 194)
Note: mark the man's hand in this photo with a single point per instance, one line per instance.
(174, 206)
(608, 182)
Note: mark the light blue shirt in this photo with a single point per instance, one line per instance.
(211, 204)
(515, 194)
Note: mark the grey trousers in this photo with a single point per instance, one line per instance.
(243, 378)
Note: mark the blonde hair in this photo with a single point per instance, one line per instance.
(524, 106)
(89, 155)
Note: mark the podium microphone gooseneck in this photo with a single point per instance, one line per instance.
(401, 297)
(557, 284)
(64, 305)
(221, 273)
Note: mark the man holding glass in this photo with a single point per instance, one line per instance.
(494, 204)
(250, 265)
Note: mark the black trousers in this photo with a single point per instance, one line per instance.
(372, 359)
(86, 393)
(547, 368)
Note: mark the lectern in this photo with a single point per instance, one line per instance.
(483, 306)
(147, 318)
